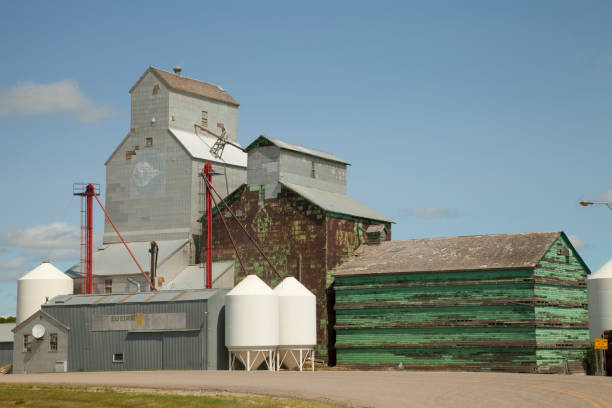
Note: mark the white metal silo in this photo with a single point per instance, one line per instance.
(297, 336)
(599, 289)
(251, 323)
(39, 285)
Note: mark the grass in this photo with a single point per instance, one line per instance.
(31, 396)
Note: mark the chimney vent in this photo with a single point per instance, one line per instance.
(177, 70)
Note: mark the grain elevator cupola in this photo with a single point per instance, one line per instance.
(153, 190)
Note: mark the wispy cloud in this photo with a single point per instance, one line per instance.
(433, 212)
(32, 99)
(55, 242)
(11, 269)
(607, 196)
(55, 235)
(577, 242)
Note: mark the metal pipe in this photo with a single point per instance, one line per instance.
(230, 235)
(124, 243)
(208, 179)
(89, 192)
(135, 282)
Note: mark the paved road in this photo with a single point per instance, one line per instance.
(364, 389)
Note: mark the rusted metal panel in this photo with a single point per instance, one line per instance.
(300, 238)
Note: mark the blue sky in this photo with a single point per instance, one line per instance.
(459, 118)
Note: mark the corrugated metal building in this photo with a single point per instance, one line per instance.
(295, 204)
(6, 343)
(514, 302)
(169, 330)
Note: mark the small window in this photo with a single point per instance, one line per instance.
(52, 342)
(312, 169)
(204, 118)
(117, 357)
(148, 142)
(27, 343)
(108, 286)
(155, 89)
(128, 155)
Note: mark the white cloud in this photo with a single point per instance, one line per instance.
(433, 212)
(11, 269)
(31, 99)
(607, 196)
(577, 242)
(55, 235)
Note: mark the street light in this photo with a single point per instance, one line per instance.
(587, 203)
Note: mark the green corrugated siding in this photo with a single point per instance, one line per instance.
(434, 316)
(464, 357)
(516, 320)
(433, 336)
(435, 295)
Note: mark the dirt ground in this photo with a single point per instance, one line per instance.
(362, 388)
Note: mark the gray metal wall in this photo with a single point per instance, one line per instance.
(93, 350)
(297, 167)
(269, 164)
(187, 110)
(6, 353)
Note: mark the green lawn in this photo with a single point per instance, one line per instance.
(62, 396)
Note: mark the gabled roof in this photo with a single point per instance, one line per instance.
(267, 141)
(336, 202)
(477, 252)
(114, 259)
(198, 146)
(41, 313)
(190, 86)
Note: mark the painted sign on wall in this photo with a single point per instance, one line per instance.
(139, 321)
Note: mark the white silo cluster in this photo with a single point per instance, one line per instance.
(599, 289)
(277, 326)
(38, 286)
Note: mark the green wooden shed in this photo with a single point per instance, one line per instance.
(507, 302)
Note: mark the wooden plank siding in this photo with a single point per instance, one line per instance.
(520, 320)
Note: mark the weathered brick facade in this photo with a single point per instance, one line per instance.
(300, 238)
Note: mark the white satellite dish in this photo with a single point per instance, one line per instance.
(38, 331)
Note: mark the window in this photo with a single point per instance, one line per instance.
(52, 342)
(155, 89)
(312, 169)
(148, 142)
(27, 343)
(117, 357)
(108, 286)
(204, 118)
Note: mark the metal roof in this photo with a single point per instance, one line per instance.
(477, 252)
(114, 259)
(193, 276)
(296, 148)
(190, 86)
(140, 297)
(198, 145)
(6, 335)
(336, 202)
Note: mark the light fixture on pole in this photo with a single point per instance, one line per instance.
(587, 203)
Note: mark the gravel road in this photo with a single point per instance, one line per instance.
(363, 388)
